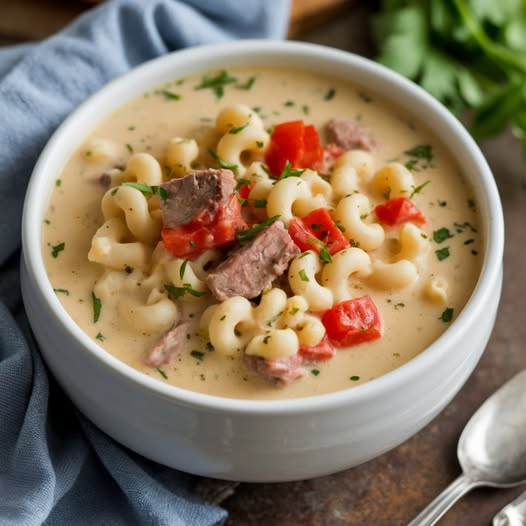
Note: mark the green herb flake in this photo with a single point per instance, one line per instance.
(305, 109)
(100, 337)
(97, 307)
(217, 83)
(238, 129)
(354, 378)
(58, 183)
(440, 235)
(183, 268)
(244, 236)
(303, 275)
(61, 291)
(325, 255)
(329, 94)
(421, 151)
(162, 373)
(288, 171)
(248, 84)
(315, 372)
(178, 292)
(418, 189)
(170, 95)
(442, 253)
(260, 203)
(198, 355)
(129, 147)
(57, 249)
(447, 315)
(222, 163)
(288, 103)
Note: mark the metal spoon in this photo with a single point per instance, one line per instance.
(491, 449)
(513, 514)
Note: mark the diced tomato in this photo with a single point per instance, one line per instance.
(293, 142)
(352, 322)
(191, 240)
(317, 225)
(399, 210)
(331, 152)
(322, 351)
(244, 190)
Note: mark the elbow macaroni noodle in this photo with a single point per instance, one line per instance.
(279, 324)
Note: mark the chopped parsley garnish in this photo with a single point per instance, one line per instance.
(354, 378)
(417, 189)
(147, 189)
(162, 373)
(260, 203)
(183, 268)
(217, 83)
(364, 97)
(442, 253)
(305, 109)
(178, 292)
(61, 291)
(222, 163)
(469, 241)
(447, 315)
(170, 95)
(325, 255)
(248, 84)
(58, 182)
(266, 339)
(471, 204)
(288, 171)
(100, 337)
(303, 275)
(57, 249)
(420, 156)
(440, 235)
(198, 355)
(237, 129)
(244, 236)
(399, 306)
(315, 372)
(97, 307)
(129, 147)
(330, 94)
(288, 103)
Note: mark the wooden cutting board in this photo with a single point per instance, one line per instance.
(37, 19)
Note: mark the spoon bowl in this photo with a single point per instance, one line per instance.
(491, 449)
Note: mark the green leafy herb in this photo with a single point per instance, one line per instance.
(178, 292)
(182, 268)
(100, 337)
(58, 183)
(288, 171)
(325, 255)
(330, 94)
(129, 147)
(303, 275)
(217, 83)
(237, 129)
(315, 372)
(260, 203)
(440, 235)
(170, 95)
(447, 315)
(244, 236)
(469, 54)
(442, 253)
(418, 189)
(222, 163)
(198, 355)
(162, 373)
(57, 249)
(354, 378)
(61, 291)
(97, 307)
(248, 84)
(147, 189)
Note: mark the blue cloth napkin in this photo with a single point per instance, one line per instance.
(56, 468)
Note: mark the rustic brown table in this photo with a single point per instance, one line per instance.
(392, 489)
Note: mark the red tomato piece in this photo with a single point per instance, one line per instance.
(293, 142)
(352, 322)
(330, 153)
(399, 210)
(317, 225)
(322, 351)
(191, 240)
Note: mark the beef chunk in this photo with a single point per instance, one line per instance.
(199, 193)
(280, 372)
(250, 269)
(169, 346)
(348, 135)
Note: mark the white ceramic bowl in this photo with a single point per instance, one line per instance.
(245, 439)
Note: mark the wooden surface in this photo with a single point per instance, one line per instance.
(392, 489)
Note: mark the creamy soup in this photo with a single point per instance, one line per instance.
(377, 229)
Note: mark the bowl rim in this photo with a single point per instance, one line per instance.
(211, 57)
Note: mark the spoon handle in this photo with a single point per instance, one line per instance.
(436, 508)
(514, 514)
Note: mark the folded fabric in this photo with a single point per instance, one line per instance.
(55, 466)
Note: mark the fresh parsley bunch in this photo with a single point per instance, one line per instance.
(469, 54)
